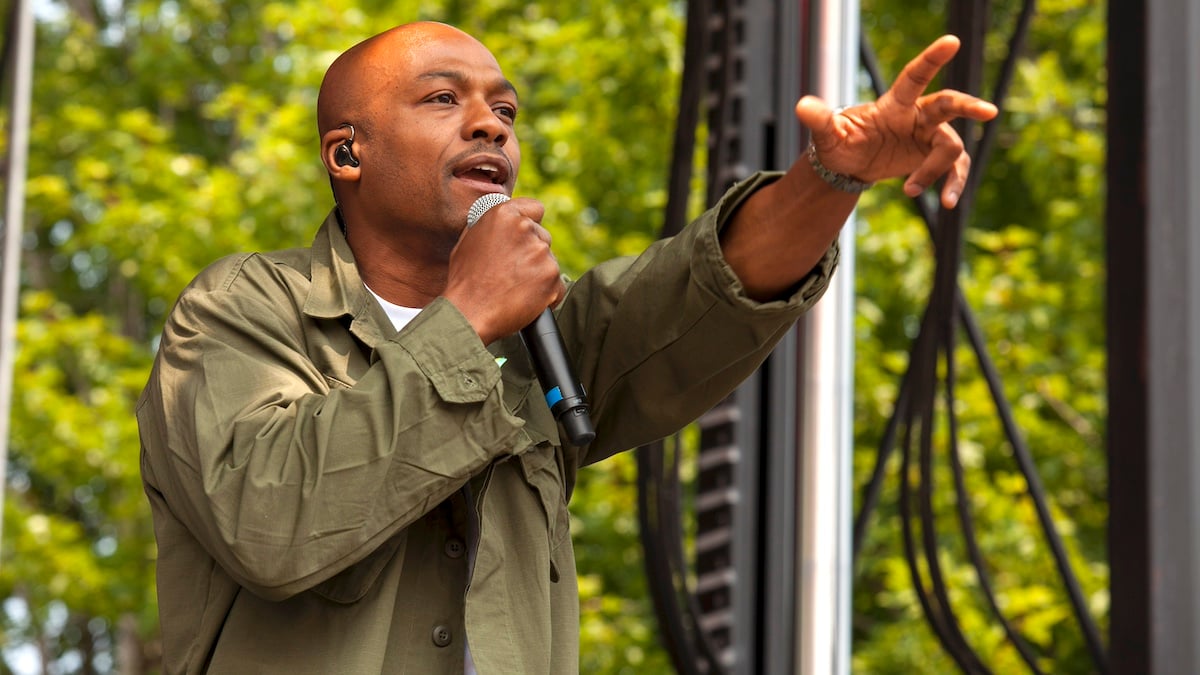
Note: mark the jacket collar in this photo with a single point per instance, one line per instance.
(337, 289)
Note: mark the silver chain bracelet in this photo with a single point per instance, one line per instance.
(839, 181)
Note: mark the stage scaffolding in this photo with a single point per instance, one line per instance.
(1153, 232)
(754, 595)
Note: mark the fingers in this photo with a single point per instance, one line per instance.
(524, 213)
(528, 208)
(905, 132)
(948, 104)
(919, 72)
(502, 273)
(946, 157)
(532, 212)
(944, 152)
(956, 181)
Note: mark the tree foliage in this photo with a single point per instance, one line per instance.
(167, 134)
(1033, 276)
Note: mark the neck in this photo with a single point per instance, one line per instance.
(403, 270)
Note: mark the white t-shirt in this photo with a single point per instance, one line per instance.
(399, 315)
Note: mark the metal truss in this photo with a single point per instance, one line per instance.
(704, 626)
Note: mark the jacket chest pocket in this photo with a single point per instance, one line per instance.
(544, 476)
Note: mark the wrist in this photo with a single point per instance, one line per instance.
(475, 314)
(838, 181)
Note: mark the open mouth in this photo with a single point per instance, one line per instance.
(488, 169)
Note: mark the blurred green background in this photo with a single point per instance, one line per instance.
(167, 134)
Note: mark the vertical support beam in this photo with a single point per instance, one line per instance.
(826, 392)
(14, 217)
(730, 502)
(781, 569)
(773, 570)
(1153, 322)
(1173, 297)
(1125, 234)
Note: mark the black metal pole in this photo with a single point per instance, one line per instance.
(1125, 230)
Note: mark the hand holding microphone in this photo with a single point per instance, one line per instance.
(501, 273)
(564, 394)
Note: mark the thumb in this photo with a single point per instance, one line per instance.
(814, 113)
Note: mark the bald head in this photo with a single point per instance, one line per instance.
(416, 123)
(363, 72)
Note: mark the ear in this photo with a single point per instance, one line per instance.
(331, 142)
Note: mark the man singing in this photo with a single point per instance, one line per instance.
(348, 458)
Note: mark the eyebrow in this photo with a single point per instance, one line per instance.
(461, 78)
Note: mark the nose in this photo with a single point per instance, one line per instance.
(483, 123)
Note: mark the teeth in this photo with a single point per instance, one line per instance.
(491, 171)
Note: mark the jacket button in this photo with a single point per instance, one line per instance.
(441, 636)
(455, 548)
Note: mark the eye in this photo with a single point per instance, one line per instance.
(507, 111)
(445, 98)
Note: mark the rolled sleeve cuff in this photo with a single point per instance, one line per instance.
(458, 366)
(720, 277)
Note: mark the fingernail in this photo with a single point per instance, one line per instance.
(952, 197)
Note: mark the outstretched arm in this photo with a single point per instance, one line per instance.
(777, 236)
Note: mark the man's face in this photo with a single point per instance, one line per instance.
(441, 132)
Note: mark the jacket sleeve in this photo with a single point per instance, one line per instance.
(661, 338)
(287, 477)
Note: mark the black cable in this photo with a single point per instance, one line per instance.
(676, 607)
(874, 487)
(962, 502)
(925, 365)
(668, 574)
(1021, 453)
(691, 90)
(983, 150)
(934, 615)
(1037, 493)
(660, 578)
(941, 620)
(705, 652)
(947, 244)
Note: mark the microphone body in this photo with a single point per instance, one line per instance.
(564, 394)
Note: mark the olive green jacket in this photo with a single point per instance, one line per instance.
(319, 480)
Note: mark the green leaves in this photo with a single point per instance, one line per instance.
(76, 527)
(1033, 274)
(168, 134)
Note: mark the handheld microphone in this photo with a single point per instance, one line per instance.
(564, 394)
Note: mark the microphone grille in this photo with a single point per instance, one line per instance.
(482, 205)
